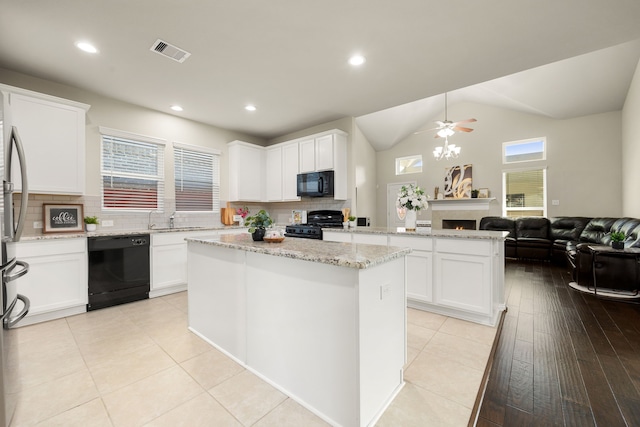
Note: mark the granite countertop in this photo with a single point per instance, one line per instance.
(102, 232)
(340, 254)
(457, 234)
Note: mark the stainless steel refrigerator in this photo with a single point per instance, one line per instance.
(13, 306)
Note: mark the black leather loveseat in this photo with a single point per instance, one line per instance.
(572, 239)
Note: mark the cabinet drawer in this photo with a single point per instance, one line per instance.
(50, 247)
(464, 246)
(418, 243)
(370, 239)
(336, 236)
(162, 239)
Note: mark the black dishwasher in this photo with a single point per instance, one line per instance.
(118, 270)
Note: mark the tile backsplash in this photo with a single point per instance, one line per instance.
(130, 221)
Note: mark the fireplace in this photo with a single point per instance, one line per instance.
(458, 224)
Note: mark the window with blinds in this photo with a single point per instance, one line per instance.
(197, 178)
(132, 171)
(525, 192)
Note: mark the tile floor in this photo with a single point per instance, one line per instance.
(138, 365)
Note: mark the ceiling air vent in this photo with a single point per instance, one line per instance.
(170, 51)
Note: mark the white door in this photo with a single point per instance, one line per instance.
(395, 217)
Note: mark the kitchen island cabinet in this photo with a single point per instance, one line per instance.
(323, 322)
(458, 273)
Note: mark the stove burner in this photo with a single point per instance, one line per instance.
(316, 221)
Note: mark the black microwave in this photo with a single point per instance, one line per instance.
(315, 184)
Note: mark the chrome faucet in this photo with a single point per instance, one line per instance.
(149, 222)
(171, 220)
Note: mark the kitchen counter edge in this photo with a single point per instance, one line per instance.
(400, 231)
(350, 255)
(101, 233)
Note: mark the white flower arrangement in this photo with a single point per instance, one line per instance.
(412, 197)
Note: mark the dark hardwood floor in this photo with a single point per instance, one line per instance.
(563, 358)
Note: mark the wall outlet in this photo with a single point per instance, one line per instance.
(107, 223)
(555, 202)
(384, 290)
(37, 224)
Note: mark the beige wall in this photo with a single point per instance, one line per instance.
(583, 158)
(631, 149)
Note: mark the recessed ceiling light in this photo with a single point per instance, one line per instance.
(176, 108)
(356, 60)
(250, 107)
(87, 47)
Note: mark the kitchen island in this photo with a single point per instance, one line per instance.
(323, 322)
(457, 273)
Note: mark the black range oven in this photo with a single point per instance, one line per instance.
(316, 221)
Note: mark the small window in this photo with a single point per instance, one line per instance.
(197, 178)
(524, 151)
(409, 164)
(132, 171)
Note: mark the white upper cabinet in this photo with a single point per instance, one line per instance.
(269, 174)
(246, 172)
(325, 150)
(307, 148)
(290, 171)
(52, 131)
(281, 172)
(274, 170)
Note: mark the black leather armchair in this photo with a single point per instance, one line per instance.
(533, 238)
(565, 230)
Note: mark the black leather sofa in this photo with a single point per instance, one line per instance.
(563, 239)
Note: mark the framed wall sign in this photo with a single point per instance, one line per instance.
(63, 218)
(483, 193)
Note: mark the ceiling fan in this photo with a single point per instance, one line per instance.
(446, 127)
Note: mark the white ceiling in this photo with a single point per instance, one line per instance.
(290, 57)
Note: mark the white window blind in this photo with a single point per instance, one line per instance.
(197, 179)
(525, 193)
(132, 172)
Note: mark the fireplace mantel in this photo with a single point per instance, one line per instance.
(461, 204)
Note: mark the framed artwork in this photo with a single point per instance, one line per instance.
(458, 182)
(483, 193)
(65, 218)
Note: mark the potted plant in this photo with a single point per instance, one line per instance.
(91, 223)
(617, 240)
(352, 221)
(257, 224)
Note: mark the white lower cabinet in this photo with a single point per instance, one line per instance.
(56, 283)
(460, 277)
(169, 259)
(419, 266)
